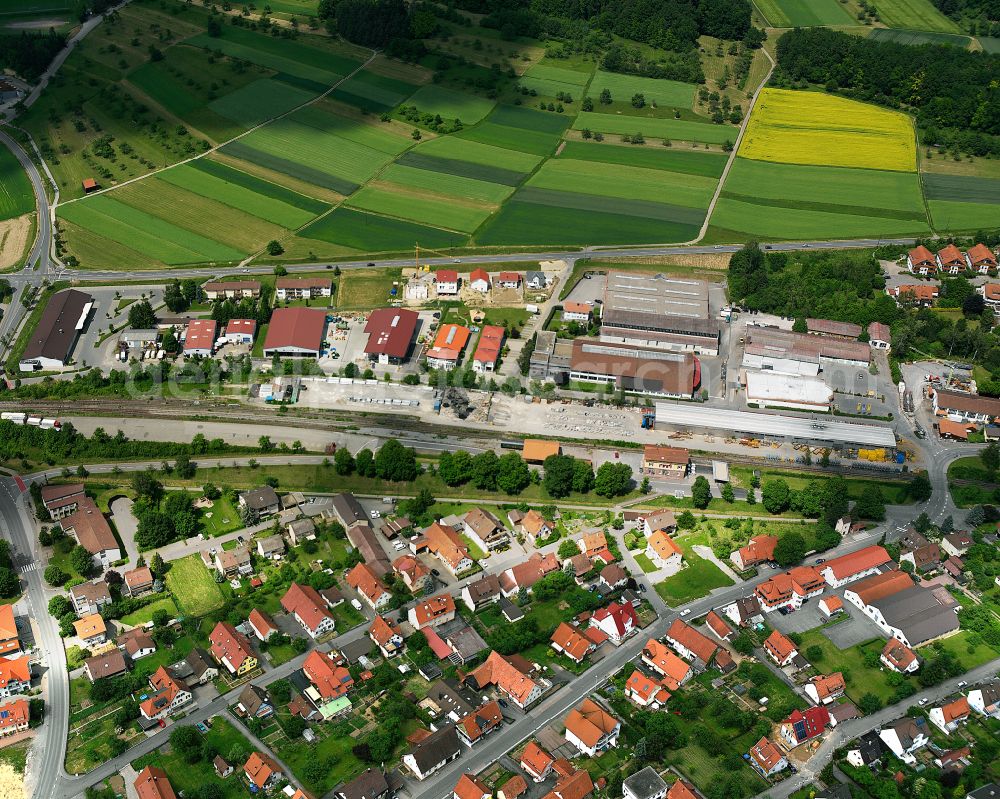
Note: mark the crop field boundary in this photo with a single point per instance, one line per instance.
(236, 138)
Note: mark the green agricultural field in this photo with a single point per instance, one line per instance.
(16, 195)
(193, 587)
(626, 182)
(548, 71)
(298, 170)
(688, 162)
(512, 138)
(377, 136)
(989, 44)
(804, 13)
(258, 185)
(260, 101)
(145, 233)
(961, 188)
(865, 192)
(543, 217)
(670, 93)
(242, 197)
(958, 216)
(91, 248)
(674, 129)
(373, 233)
(915, 15)
(919, 37)
(200, 215)
(461, 149)
(444, 183)
(451, 104)
(420, 208)
(373, 92)
(514, 116)
(553, 81)
(417, 159)
(366, 288)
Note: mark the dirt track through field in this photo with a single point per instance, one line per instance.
(14, 235)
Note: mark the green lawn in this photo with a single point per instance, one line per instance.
(698, 579)
(16, 195)
(193, 586)
(645, 563)
(187, 777)
(145, 615)
(222, 517)
(860, 679)
(334, 749)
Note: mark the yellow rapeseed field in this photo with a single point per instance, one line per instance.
(819, 129)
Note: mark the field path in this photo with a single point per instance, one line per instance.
(210, 150)
(736, 149)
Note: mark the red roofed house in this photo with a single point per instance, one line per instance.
(981, 259)
(479, 281)
(295, 332)
(951, 260)
(509, 280)
(667, 462)
(152, 783)
(830, 605)
(387, 636)
(674, 671)
(262, 771)
(920, 261)
(766, 758)
(536, 762)
(897, 656)
(488, 349)
(138, 580)
(854, 566)
(991, 293)
(432, 612)
(591, 729)
(617, 621)
(89, 185)
(309, 610)
(525, 575)
(509, 679)
(449, 343)
(948, 717)
(919, 293)
(759, 549)
(10, 642)
(15, 676)
(480, 723)
(200, 338)
(231, 649)
(681, 789)
(169, 695)
(663, 551)
(718, 626)
(825, 688)
(446, 281)
(571, 643)
(444, 542)
(645, 691)
(240, 331)
(415, 574)
(329, 681)
(790, 589)
(470, 787)
(879, 336)
(690, 644)
(800, 727)
(372, 590)
(390, 334)
(780, 648)
(577, 311)
(262, 624)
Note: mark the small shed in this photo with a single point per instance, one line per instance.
(89, 185)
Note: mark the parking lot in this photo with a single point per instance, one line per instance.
(856, 629)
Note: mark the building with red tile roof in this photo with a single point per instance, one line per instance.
(510, 680)
(645, 691)
(448, 346)
(305, 604)
(919, 293)
(980, 258)
(829, 605)
(168, 696)
(877, 587)
(766, 758)
(262, 624)
(471, 787)
(780, 648)
(262, 770)
(231, 649)
(572, 785)
(950, 260)
(200, 338)
(855, 566)
(879, 336)
(920, 261)
(897, 656)
(947, 718)
(825, 688)
(10, 641)
(488, 349)
(479, 280)
(480, 722)
(390, 334)
(618, 621)
(446, 544)
(690, 644)
(674, 671)
(152, 783)
(363, 580)
(447, 281)
(15, 675)
(330, 680)
(432, 612)
(571, 642)
(509, 280)
(387, 636)
(681, 789)
(717, 625)
(536, 761)
(591, 729)
(663, 551)
(791, 589)
(801, 726)
(759, 549)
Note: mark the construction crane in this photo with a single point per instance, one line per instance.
(416, 256)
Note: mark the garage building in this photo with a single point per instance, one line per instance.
(390, 334)
(295, 333)
(200, 337)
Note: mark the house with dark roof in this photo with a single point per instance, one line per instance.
(88, 598)
(905, 736)
(369, 784)
(646, 783)
(263, 500)
(254, 702)
(110, 664)
(866, 750)
(482, 592)
(433, 753)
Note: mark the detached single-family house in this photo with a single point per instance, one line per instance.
(905, 736)
(369, 587)
(669, 463)
(950, 260)
(897, 656)
(387, 636)
(91, 630)
(167, 697)
(511, 677)
(137, 643)
(618, 621)
(482, 721)
(485, 529)
(446, 282)
(690, 644)
(433, 752)
(432, 612)
(262, 624)
(801, 727)
(866, 750)
(980, 259)
(509, 280)
(879, 336)
(110, 664)
(663, 551)
(262, 771)
(271, 547)
(89, 598)
(947, 718)
(254, 702)
(536, 762)
(591, 729)
(824, 689)
(674, 671)
(985, 700)
(479, 281)
(644, 691)
(647, 784)
(138, 581)
(572, 643)
(15, 676)
(482, 592)
(263, 500)
(577, 311)
(920, 261)
(232, 649)
(780, 649)
(305, 604)
(533, 526)
(956, 543)
(766, 758)
(759, 549)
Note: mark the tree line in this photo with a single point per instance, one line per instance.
(29, 53)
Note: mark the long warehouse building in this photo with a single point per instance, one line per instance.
(653, 310)
(808, 429)
(800, 353)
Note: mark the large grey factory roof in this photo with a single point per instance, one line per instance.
(773, 425)
(657, 294)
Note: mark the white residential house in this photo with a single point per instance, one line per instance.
(985, 700)
(949, 717)
(905, 736)
(479, 281)
(446, 281)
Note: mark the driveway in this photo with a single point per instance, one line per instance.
(126, 524)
